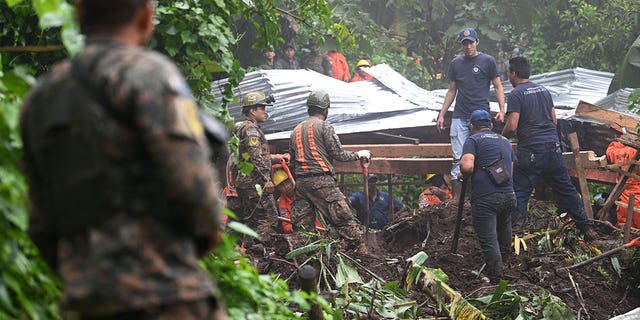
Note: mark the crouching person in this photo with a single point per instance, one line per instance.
(492, 200)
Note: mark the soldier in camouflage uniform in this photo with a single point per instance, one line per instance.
(314, 145)
(123, 198)
(257, 211)
(317, 61)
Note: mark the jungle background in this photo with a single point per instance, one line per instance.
(210, 39)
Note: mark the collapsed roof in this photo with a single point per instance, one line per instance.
(389, 103)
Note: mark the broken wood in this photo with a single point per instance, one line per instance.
(582, 180)
(609, 117)
(627, 224)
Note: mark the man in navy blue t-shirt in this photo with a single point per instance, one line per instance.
(491, 204)
(531, 112)
(470, 76)
(379, 205)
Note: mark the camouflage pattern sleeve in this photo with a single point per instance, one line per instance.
(41, 228)
(333, 145)
(254, 143)
(167, 118)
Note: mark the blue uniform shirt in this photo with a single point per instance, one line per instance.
(535, 125)
(379, 208)
(473, 78)
(485, 148)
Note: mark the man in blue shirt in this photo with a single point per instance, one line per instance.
(470, 76)
(379, 205)
(491, 204)
(532, 114)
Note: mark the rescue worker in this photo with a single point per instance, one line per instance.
(439, 192)
(379, 205)
(617, 152)
(123, 197)
(491, 204)
(361, 75)
(316, 60)
(256, 209)
(288, 61)
(340, 66)
(314, 146)
(532, 118)
(286, 194)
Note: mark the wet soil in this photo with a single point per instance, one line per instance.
(593, 291)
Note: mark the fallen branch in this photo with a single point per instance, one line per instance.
(576, 288)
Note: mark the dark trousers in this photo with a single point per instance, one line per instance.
(491, 216)
(546, 162)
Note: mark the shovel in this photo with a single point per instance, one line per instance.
(456, 233)
(633, 243)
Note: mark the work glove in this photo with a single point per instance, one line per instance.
(364, 154)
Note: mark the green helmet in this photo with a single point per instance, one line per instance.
(257, 98)
(318, 98)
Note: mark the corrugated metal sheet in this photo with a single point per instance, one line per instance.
(569, 86)
(391, 101)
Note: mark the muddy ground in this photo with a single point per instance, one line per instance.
(603, 295)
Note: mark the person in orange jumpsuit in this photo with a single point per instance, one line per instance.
(361, 75)
(340, 66)
(439, 192)
(285, 191)
(619, 153)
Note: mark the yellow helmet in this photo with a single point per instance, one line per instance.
(430, 175)
(279, 176)
(363, 63)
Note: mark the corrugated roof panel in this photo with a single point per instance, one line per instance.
(390, 101)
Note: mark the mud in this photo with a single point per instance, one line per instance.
(603, 293)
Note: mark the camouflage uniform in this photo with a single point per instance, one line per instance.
(314, 145)
(123, 197)
(319, 62)
(258, 212)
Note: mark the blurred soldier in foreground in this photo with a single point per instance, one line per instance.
(123, 199)
(256, 209)
(314, 145)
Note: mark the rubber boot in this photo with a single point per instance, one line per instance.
(456, 188)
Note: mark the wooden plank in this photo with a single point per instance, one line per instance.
(582, 180)
(596, 175)
(443, 150)
(428, 150)
(609, 117)
(397, 166)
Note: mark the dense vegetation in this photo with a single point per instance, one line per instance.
(213, 39)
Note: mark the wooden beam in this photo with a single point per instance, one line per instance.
(582, 180)
(609, 117)
(596, 175)
(397, 166)
(404, 150)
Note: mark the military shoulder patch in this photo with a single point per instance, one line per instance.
(254, 138)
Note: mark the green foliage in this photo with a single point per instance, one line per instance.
(503, 304)
(596, 35)
(28, 288)
(249, 295)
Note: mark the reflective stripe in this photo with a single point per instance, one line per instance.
(300, 152)
(314, 149)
